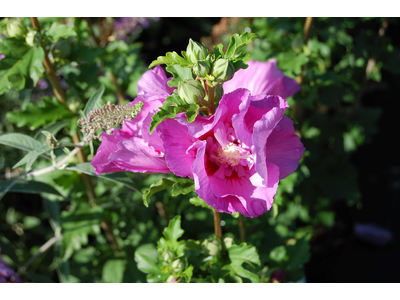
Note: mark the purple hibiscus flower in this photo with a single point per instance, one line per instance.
(133, 148)
(238, 155)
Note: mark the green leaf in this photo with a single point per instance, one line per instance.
(31, 157)
(146, 259)
(291, 62)
(36, 115)
(179, 186)
(6, 185)
(197, 201)
(58, 30)
(21, 64)
(94, 101)
(113, 270)
(119, 177)
(20, 141)
(34, 187)
(172, 58)
(172, 106)
(174, 231)
(237, 42)
(179, 73)
(240, 254)
(77, 225)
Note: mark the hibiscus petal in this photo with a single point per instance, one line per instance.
(284, 148)
(100, 162)
(153, 85)
(261, 131)
(252, 110)
(178, 145)
(230, 194)
(136, 155)
(263, 77)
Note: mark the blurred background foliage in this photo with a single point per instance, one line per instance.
(348, 69)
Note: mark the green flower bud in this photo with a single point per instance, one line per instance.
(223, 70)
(176, 265)
(211, 246)
(16, 28)
(61, 49)
(196, 51)
(201, 68)
(33, 38)
(191, 91)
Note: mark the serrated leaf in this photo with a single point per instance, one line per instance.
(21, 64)
(172, 58)
(179, 186)
(179, 73)
(94, 101)
(174, 231)
(237, 42)
(58, 30)
(119, 177)
(31, 157)
(6, 185)
(240, 254)
(20, 141)
(172, 106)
(34, 187)
(217, 52)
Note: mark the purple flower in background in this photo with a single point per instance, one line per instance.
(133, 148)
(130, 25)
(7, 275)
(2, 56)
(372, 233)
(278, 276)
(238, 155)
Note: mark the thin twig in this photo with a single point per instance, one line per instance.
(41, 250)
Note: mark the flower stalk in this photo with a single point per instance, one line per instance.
(217, 224)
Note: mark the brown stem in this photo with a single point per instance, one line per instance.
(60, 95)
(242, 228)
(217, 224)
(120, 92)
(211, 100)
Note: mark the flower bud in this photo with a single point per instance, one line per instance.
(33, 38)
(61, 49)
(51, 141)
(191, 91)
(201, 68)
(223, 70)
(16, 28)
(196, 51)
(176, 265)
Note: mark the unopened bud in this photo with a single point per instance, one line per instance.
(223, 70)
(196, 51)
(201, 68)
(16, 28)
(33, 38)
(176, 265)
(191, 91)
(278, 276)
(51, 141)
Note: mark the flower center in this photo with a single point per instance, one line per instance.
(232, 155)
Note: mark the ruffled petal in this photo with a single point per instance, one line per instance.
(261, 131)
(252, 110)
(101, 162)
(263, 77)
(180, 150)
(135, 155)
(284, 148)
(229, 194)
(153, 85)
